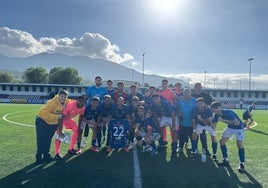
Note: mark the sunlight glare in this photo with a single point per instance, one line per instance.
(165, 7)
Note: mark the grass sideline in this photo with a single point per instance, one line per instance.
(17, 168)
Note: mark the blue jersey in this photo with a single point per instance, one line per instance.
(104, 109)
(94, 91)
(116, 94)
(148, 99)
(119, 113)
(118, 133)
(111, 91)
(229, 115)
(91, 114)
(186, 108)
(133, 111)
(206, 114)
(164, 109)
(144, 124)
(129, 98)
(249, 109)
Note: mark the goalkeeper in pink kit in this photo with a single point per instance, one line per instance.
(72, 109)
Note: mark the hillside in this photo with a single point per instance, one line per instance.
(88, 68)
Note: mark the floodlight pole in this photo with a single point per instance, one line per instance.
(205, 78)
(132, 72)
(249, 79)
(143, 69)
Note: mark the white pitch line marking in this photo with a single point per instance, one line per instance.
(13, 122)
(137, 171)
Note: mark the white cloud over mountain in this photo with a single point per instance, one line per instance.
(16, 43)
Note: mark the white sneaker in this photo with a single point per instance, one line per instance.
(131, 146)
(147, 149)
(83, 143)
(195, 152)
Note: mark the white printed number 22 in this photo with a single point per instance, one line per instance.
(118, 131)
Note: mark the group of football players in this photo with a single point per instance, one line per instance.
(119, 120)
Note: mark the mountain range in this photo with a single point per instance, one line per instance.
(87, 68)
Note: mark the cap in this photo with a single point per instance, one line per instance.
(135, 98)
(95, 99)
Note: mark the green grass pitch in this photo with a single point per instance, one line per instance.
(17, 157)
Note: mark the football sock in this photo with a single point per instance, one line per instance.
(174, 146)
(104, 131)
(214, 147)
(194, 145)
(224, 151)
(153, 145)
(78, 144)
(93, 142)
(241, 153)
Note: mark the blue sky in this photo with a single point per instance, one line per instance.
(180, 38)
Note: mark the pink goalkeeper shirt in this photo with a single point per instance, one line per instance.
(168, 94)
(71, 110)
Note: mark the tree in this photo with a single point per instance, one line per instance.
(35, 75)
(60, 75)
(5, 77)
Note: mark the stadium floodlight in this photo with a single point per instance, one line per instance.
(249, 77)
(143, 68)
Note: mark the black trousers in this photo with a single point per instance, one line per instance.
(185, 133)
(44, 135)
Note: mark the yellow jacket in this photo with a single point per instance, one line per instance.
(49, 113)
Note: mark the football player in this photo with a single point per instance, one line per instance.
(146, 132)
(248, 116)
(234, 127)
(72, 109)
(202, 120)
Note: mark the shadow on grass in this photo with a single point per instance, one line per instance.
(182, 170)
(253, 182)
(257, 131)
(86, 170)
(116, 170)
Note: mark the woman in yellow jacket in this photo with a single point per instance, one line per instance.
(47, 121)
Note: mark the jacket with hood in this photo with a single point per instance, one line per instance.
(50, 112)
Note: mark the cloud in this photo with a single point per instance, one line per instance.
(223, 80)
(134, 63)
(16, 43)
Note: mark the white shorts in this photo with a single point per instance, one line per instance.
(228, 133)
(165, 121)
(199, 129)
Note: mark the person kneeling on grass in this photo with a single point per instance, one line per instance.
(90, 118)
(146, 132)
(120, 113)
(248, 116)
(202, 120)
(72, 109)
(47, 120)
(234, 127)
